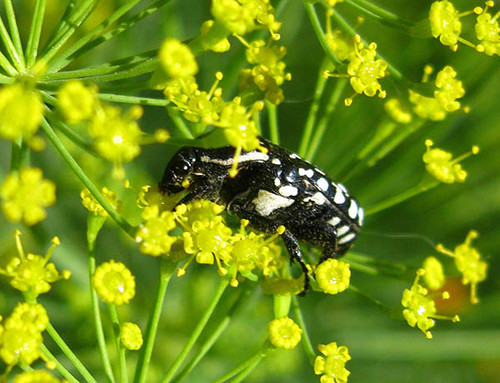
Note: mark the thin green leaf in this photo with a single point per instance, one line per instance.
(14, 31)
(35, 32)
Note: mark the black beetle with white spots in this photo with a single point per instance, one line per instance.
(272, 189)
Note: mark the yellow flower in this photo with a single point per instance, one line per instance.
(420, 309)
(468, 262)
(130, 336)
(114, 283)
(94, 207)
(176, 59)
(25, 195)
(397, 111)
(441, 166)
(333, 276)
(488, 32)
(117, 138)
(445, 23)
(153, 235)
(21, 111)
(284, 333)
(76, 102)
(36, 376)
(332, 365)
(32, 273)
(434, 276)
(448, 89)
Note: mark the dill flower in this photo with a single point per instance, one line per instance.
(130, 336)
(365, 70)
(468, 262)
(153, 235)
(114, 283)
(117, 137)
(488, 31)
(448, 89)
(36, 376)
(200, 210)
(284, 333)
(94, 207)
(21, 337)
(333, 276)
(420, 309)
(30, 273)
(434, 275)
(445, 23)
(176, 59)
(341, 44)
(76, 102)
(21, 111)
(397, 111)
(332, 365)
(25, 195)
(440, 165)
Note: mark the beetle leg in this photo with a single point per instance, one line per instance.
(296, 255)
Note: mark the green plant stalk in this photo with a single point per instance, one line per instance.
(134, 100)
(197, 330)
(69, 354)
(376, 302)
(10, 48)
(179, 122)
(423, 186)
(66, 156)
(379, 14)
(313, 112)
(306, 340)
(63, 21)
(7, 66)
(166, 270)
(120, 351)
(249, 363)
(325, 118)
(35, 32)
(94, 224)
(59, 367)
(74, 21)
(320, 35)
(14, 31)
(248, 369)
(273, 122)
(20, 155)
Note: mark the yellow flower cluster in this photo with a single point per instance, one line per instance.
(332, 364)
(114, 283)
(284, 333)
(94, 207)
(116, 136)
(131, 336)
(333, 276)
(37, 376)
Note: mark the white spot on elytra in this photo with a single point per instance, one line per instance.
(318, 198)
(288, 190)
(308, 173)
(293, 156)
(250, 156)
(267, 202)
(334, 221)
(323, 184)
(353, 209)
(276, 161)
(343, 188)
(342, 230)
(277, 182)
(346, 239)
(361, 216)
(339, 196)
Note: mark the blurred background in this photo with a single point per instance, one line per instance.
(382, 348)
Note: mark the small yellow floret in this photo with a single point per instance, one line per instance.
(114, 283)
(25, 195)
(36, 376)
(333, 276)
(176, 59)
(332, 365)
(445, 23)
(434, 275)
(153, 235)
(76, 102)
(94, 207)
(397, 111)
(284, 333)
(130, 336)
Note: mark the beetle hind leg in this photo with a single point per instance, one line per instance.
(293, 248)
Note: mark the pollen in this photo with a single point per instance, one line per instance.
(25, 195)
(284, 333)
(331, 365)
(114, 283)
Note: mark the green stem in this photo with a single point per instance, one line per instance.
(325, 118)
(376, 302)
(248, 369)
(7, 66)
(246, 366)
(379, 14)
(423, 186)
(14, 32)
(306, 340)
(35, 32)
(179, 122)
(54, 139)
(59, 367)
(313, 112)
(166, 270)
(149, 101)
(93, 227)
(273, 123)
(20, 155)
(10, 48)
(197, 330)
(120, 351)
(320, 35)
(69, 354)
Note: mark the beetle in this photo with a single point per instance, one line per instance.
(272, 189)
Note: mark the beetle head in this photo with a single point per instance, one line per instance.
(178, 170)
